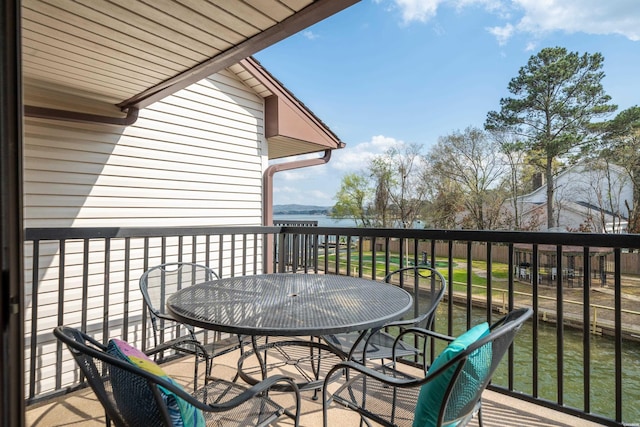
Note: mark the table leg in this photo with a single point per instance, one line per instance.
(304, 360)
(261, 360)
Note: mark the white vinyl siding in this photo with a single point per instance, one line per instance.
(194, 159)
(184, 162)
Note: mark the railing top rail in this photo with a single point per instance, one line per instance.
(573, 239)
(122, 232)
(527, 237)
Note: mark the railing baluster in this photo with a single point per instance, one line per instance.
(618, 333)
(106, 288)
(450, 290)
(207, 250)
(145, 267)
(35, 285)
(374, 259)
(127, 277)
(510, 285)
(387, 256)
(85, 283)
(489, 281)
(220, 257)
(348, 240)
(586, 334)
(536, 312)
(233, 253)
(61, 289)
(560, 335)
(469, 302)
(244, 254)
(194, 245)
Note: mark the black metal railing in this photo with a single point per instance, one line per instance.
(87, 277)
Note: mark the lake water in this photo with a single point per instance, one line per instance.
(323, 220)
(601, 375)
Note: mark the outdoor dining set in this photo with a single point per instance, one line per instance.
(362, 344)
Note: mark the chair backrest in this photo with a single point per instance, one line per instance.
(160, 282)
(426, 285)
(475, 366)
(145, 403)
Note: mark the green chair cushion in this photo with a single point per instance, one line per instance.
(432, 393)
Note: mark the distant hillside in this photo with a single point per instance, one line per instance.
(301, 210)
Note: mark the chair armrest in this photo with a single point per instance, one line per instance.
(419, 332)
(426, 333)
(169, 344)
(404, 381)
(373, 373)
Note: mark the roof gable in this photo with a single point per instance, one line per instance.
(290, 127)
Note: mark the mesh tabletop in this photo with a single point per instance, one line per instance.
(289, 304)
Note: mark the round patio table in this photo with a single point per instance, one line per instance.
(289, 305)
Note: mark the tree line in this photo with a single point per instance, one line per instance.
(558, 114)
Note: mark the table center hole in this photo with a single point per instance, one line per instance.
(293, 295)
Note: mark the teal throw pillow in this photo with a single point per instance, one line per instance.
(431, 393)
(133, 396)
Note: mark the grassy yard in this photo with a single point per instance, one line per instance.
(499, 273)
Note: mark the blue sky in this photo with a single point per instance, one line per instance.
(384, 72)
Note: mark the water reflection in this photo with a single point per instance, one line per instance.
(602, 375)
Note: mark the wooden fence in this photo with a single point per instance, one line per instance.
(630, 262)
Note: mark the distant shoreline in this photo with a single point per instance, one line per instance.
(301, 210)
(323, 219)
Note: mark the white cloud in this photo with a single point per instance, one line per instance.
(417, 10)
(310, 35)
(321, 182)
(356, 157)
(502, 34)
(586, 16)
(538, 17)
(302, 173)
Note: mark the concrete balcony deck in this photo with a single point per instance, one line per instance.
(82, 409)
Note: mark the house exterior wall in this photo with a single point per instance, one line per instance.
(194, 159)
(587, 193)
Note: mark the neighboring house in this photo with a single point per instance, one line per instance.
(589, 196)
(198, 157)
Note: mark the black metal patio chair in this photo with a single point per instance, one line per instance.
(134, 391)
(159, 283)
(427, 287)
(448, 395)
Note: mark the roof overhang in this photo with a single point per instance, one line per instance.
(127, 54)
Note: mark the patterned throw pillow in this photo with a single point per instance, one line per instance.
(133, 396)
(432, 393)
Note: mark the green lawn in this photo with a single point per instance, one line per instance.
(500, 271)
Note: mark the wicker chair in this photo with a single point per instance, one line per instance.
(159, 283)
(427, 286)
(132, 396)
(450, 393)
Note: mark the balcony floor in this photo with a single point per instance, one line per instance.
(81, 408)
